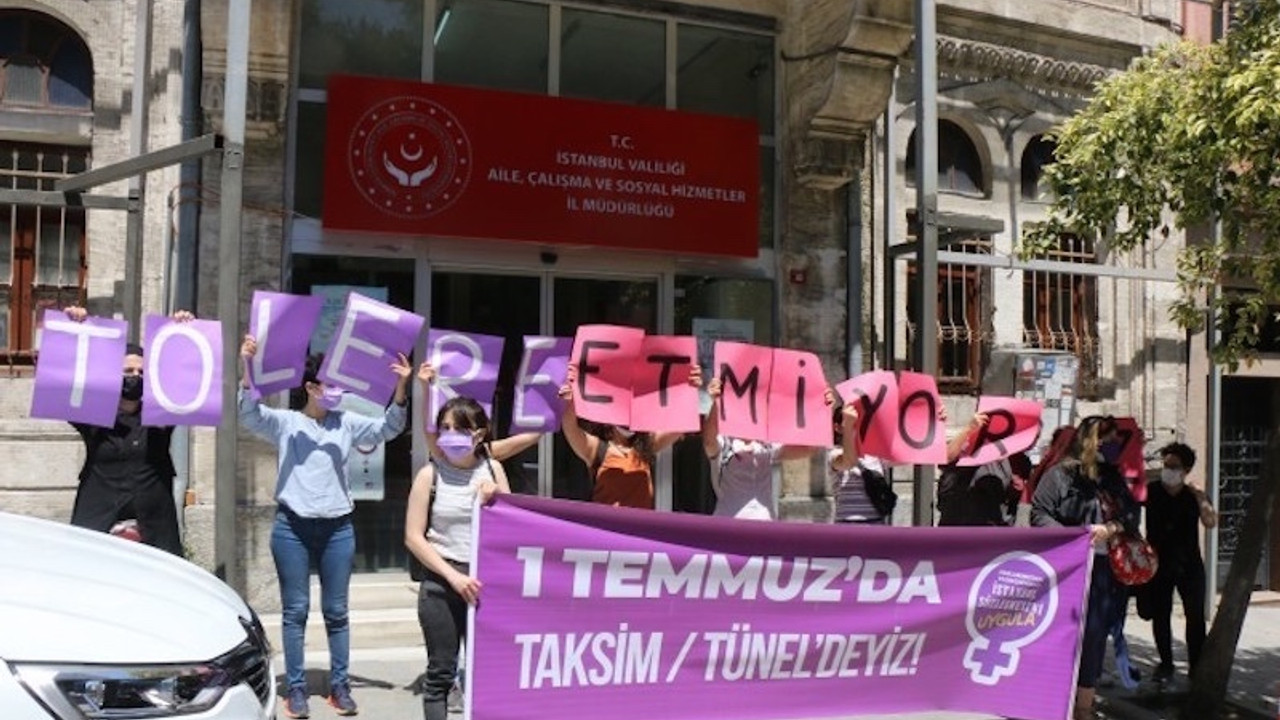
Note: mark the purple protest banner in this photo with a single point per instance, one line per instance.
(537, 406)
(365, 344)
(681, 617)
(282, 325)
(466, 364)
(78, 372)
(183, 376)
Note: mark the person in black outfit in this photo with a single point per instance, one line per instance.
(1173, 510)
(128, 472)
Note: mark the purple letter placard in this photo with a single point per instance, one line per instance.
(78, 373)
(542, 371)
(282, 325)
(369, 336)
(466, 364)
(184, 372)
(818, 621)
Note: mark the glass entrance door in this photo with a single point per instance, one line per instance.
(508, 306)
(583, 301)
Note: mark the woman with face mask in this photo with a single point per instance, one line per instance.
(1083, 490)
(437, 530)
(619, 460)
(1174, 509)
(128, 472)
(313, 517)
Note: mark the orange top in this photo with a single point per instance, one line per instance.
(623, 478)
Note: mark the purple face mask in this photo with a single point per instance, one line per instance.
(457, 445)
(330, 398)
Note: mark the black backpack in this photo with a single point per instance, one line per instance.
(879, 491)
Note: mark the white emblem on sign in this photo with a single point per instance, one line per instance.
(409, 157)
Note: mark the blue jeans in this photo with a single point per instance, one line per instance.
(329, 545)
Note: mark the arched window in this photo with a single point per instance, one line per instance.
(43, 63)
(1038, 155)
(46, 86)
(959, 164)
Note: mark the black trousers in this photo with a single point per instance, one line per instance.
(442, 613)
(1190, 583)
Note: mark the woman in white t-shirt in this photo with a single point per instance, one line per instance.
(848, 470)
(742, 470)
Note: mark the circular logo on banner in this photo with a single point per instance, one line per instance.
(409, 157)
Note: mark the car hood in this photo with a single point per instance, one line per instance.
(72, 595)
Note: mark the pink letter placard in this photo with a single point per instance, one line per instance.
(542, 371)
(78, 372)
(663, 400)
(1012, 426)
(920, 438)
(798, 412)
(466, 364)
(184, 372)
(368, 337)
(744, 371)
(281, 323)
(605, 356)
(1132, 466)
(877, 396)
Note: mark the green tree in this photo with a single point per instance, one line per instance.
(1188, 137)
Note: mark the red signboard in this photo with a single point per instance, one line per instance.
(425, 159)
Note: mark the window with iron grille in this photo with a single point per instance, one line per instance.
(46, 94)
(963, 332)
(42, 249)
(1060, 310)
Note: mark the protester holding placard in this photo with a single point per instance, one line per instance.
(1083, 490)
(128, 472)
(619, 461)
(313, 519)
(742, 470)
(437, 530)
(857, 482)
(500, 449)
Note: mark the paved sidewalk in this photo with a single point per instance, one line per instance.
(384, 681)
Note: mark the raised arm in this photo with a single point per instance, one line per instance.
(585, 446)
(367, 430)
(957, 445)
(267, 423)
(711, 423)
(509, 447)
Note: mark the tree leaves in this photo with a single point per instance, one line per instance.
(1190, 132)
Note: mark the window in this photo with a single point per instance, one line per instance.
(1038, 155)
(959, 164)
(371, 37)
(43, 64)
(498, 44)
(613, 57)
(1060, 310)
(962, 334)
(42, 249)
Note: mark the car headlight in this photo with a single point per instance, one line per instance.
(98, 692)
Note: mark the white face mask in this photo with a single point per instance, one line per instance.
(1172, 478)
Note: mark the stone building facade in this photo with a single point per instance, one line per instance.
(830, 86)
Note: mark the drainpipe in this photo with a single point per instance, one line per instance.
(183, 281)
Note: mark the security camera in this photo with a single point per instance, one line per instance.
(548, 258)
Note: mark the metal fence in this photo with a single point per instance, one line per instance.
(1243, 448)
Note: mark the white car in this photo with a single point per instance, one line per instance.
(92, 626)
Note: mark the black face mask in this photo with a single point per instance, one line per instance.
(131, 389)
